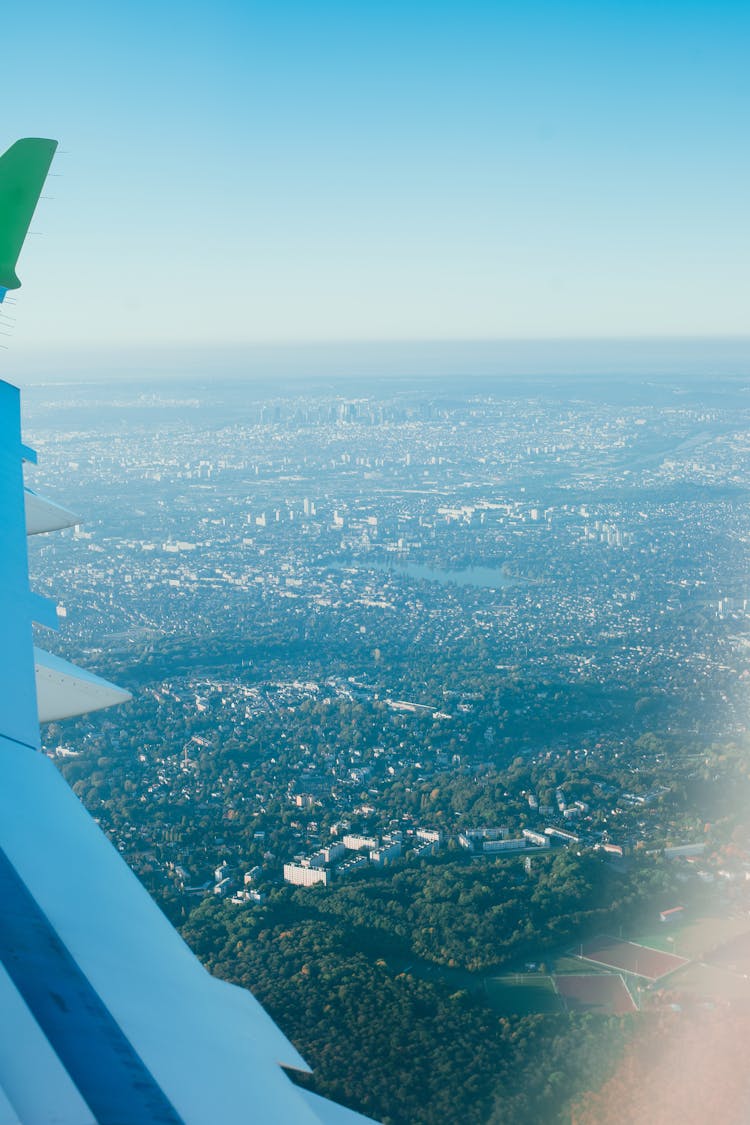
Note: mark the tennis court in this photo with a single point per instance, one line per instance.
(603, 993)
(628, 957)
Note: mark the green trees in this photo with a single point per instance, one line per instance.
(401, 1048)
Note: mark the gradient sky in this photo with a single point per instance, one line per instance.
(292, 171)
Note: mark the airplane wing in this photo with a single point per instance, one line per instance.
(23, 170)
(105, 1014)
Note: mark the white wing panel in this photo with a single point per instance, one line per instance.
(45, 515)
(210, 1046)
(62, 690)
(8, 1115)
(35, 1089)
(330, 1113)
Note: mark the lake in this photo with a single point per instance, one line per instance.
(484, 577)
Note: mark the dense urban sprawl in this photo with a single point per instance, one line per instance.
(466, 665)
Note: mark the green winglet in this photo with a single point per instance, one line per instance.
(23, 170)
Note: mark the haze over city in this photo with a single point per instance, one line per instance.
(296, 172)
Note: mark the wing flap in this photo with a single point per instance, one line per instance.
(331, 1113)
(209, 1045)
(35, 1085)
(62, 690)
(44, 515)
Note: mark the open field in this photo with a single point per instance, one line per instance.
(572, 964)
(603, 993)
(522, 994)
(626, 956)
(708, 983)
(734, 955)
(695, 939)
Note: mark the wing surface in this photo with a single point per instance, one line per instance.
(106, 1016)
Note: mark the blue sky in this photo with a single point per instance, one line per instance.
(248, 172)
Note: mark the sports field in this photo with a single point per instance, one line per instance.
(695, 938)
(571, 963)
(522, 994)
(603, 993)
(704, 983)
(734, 955)
(627, 957)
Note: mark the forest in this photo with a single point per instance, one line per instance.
(363, 1026)
(339, 969)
